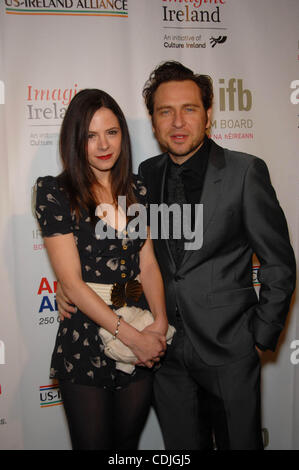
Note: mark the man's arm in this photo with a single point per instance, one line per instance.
(268, 236)
(141, 172)
(64, 304)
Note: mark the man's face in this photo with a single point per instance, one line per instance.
(179, 119)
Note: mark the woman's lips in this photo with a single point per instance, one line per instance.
(104, 157)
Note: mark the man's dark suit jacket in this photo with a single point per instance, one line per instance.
(212, 288)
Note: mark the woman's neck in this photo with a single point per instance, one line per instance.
(103, 192)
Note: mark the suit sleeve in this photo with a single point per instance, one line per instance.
(141, 172)
(268, 235)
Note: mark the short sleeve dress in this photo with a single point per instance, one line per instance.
(78, 354)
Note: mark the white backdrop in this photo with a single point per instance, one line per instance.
(50, 49)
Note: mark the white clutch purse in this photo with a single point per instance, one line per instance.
(117, 350)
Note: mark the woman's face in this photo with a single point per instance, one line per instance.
(104, 142)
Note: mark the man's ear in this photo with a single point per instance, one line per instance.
(153, 127)
(209, 117)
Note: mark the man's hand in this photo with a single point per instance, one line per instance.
(158, 326)
(65, 306)
(147, 346)
(259, 351)
(158, 332)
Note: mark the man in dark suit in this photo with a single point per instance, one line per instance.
(209, 383)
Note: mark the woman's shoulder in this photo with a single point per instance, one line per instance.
(49, 182)
(49, 190)
(51, 185)
(52, 206)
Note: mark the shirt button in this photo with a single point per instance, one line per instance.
(125, 247)
(122, 261)
(123, 275)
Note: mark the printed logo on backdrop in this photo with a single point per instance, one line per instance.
(193, 24)
(234, 99)
(45, 109)
(47, 104)
(47, 311)
(110, 8)
(38, 244)
(50, 395)
(255, 272)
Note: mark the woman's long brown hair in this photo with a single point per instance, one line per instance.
(77, 177)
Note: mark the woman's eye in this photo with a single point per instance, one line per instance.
(90, 136)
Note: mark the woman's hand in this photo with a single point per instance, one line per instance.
(158, 328)
(148, 346)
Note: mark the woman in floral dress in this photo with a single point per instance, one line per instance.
(106, 408)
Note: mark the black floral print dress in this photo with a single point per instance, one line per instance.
(78, 353)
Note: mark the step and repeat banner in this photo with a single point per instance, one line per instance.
(49, 50)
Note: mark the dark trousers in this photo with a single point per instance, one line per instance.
(201, 407)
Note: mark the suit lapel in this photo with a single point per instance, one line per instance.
(158, 197)
(212, 184)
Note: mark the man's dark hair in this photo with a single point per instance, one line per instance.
(175, 71)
